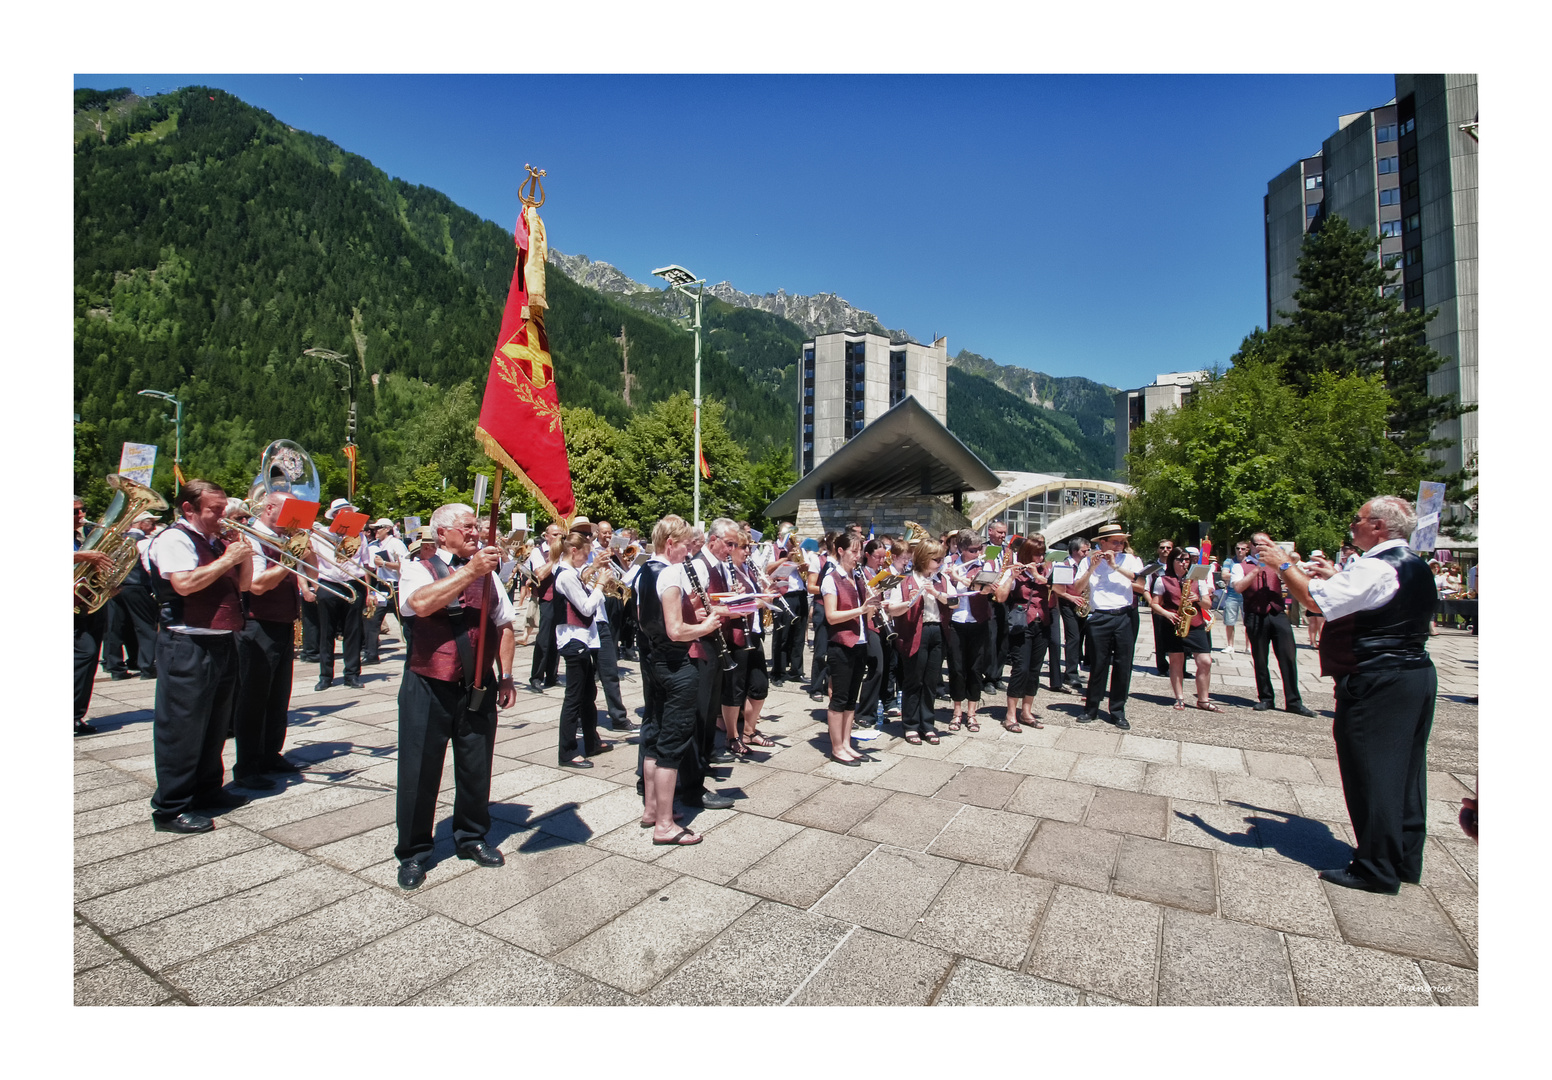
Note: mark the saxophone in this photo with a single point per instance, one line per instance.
(1187, 608)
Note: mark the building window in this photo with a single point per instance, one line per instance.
(1414, 289)
(808, 391)
(1409, 158)
(896, 377)
(1414, 221)
(1412, 256)
(1391, 290)
(1385, 133)
(1391, 259)
(1313, 183)
(1390, 228)
(1312, 209)
(1407, 127)
(1409, 191)
(1390, 196)
(808, 410)
(1386, 165)
(808, 429)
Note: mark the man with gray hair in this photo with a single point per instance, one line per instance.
(1374, 646)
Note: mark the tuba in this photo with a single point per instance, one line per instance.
(916, 534)
(131, 499)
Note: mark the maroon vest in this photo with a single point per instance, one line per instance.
(712, 581)
(845, 633)
(1171, 600)
(1265, 595)
(908, 624)
(434, 646)
(281, 604)
(218, 606)
(547, 590)
(1035, 598)
(573, 616)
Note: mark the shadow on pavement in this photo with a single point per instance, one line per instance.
(1294, 837)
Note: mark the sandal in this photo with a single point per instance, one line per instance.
(914, 738)
(931, 737)
(758, 740)
(1011, 725)
(953, 725)
(738, 749)
(1028, 720)
(679, 839)
(1180, 704)
(971, 725)
(1207, 706)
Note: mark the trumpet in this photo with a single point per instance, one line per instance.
(287, 558)
(602, 574)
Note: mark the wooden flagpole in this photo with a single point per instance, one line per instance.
(488, 610)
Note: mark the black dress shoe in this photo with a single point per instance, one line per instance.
(1262, 706)
(281, 765)
(1088, 716)
(1301, 709)
(83, 728)
(602, 748)
(1120, 722)
(535, 687)
(778, 682)
(118, 676)
(354, 682)
(622, 724)
(223, 800)
(816, 696)
(583, 764)
(482, 853)
(183, 823)
(708, 800)
(850, 762)
(148, 675)
(722, 757)
(324, 684)
(255, 782)
(1349, 880)
(411, 874)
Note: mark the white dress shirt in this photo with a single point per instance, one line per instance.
(590, 605)
(1111, 591)
(1369, 583)
(352, 569)
(417, 574)
(172, 551)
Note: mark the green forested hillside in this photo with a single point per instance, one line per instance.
(1008, 432)
(214, 244)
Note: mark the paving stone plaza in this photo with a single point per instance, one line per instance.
(1173, 864)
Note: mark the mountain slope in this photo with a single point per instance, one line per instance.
(1091, 403)
(213, 244)
(1008, 432)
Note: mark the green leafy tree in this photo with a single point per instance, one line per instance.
(769, 478)
(1247, 451)
(660, 452)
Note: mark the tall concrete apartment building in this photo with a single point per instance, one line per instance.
(851, 379)
(1406, 172)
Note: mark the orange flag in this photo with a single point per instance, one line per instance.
(519, 424)
(705, 468)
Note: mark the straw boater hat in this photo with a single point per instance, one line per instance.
(581, 524)
(1112, 531)
(335, 507)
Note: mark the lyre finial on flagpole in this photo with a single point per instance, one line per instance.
(534, 186)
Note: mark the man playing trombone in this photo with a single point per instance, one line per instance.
(336, 616)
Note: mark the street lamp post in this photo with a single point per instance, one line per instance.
(350, 415)
(681, 280)
(177, 452)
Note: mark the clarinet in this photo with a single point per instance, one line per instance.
(713, 640)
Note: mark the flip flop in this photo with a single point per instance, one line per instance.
(678, 839)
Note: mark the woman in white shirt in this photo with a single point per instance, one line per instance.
(918, 605)
(576, 639)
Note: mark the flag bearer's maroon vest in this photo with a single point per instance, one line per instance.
(435, 648)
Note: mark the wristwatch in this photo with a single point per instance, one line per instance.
(1283, 569)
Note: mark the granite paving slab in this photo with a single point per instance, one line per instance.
(571, 909)
(1411, 923)
(992, 838)
(639, 948)
(140, 867)
(777, 792)
(1461, 906)
(1126, 811)
(504, 976)
(981, 787)
(1256, 793)
(907, 821)
(975, 983)
(1275, 895)
(887, 891)
(1171, 874)
(1039, 796)
(1270, 766)
(1155, 751)
(760, 959)
(388, 970)
(804, 868)
(987, 914)
(1196, 785)
(1047, 761)
(1207, 961)
(737, 844)
(918, 776)
(1072, 854)
(139, 904)
(1089, 740)
(870, 968)
(1331, 973)
(1099, 942)
(838, 807)
(1227, 759)
(90, 950)
(473, 898)
(116, 843)
(1450, 985)
(118, 983)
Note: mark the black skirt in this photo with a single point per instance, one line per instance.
(1197, 641)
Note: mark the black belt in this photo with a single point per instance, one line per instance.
(1110, 611)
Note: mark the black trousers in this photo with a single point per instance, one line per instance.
(652, 696)
(88, 646)
(967, 646)
(432, 714)
(997, 649)
(265, 664)
(787, 637)
(1112, 640)
(1383, 719)
(1272, 631)
(130, 639)
(1074, 638)
(579, 709)
(607, 664)
(1027, 647)
(1162, 629)
(309, 631)
(338, 618)
(819, 677)
(920, 675)
(372, 629)
(872, 677)
(546, 661)
(708, 720)
(196, 680)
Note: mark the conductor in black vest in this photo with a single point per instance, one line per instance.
(1377, 618)
(448, 593)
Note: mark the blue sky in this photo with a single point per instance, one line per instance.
(1107, 226)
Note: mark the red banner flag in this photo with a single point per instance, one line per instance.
(705, 468)
(520, 416)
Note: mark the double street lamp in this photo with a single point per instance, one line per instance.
(682, 281)
(350, 416)
(177, 419)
